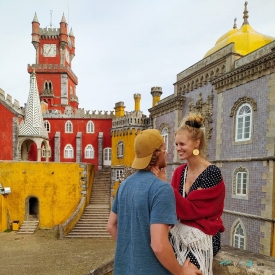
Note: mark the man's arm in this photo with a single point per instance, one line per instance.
(164, 251)
(112, 225)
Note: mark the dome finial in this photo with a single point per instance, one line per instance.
(235, 24)
(245, 14)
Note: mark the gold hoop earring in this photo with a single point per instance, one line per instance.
(196, 152)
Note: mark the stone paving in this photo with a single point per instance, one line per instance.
(43, 254)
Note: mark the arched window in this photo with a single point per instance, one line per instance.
(240, 183)
(48, 87)
(68, 151)
(243, 123)
(164, 133)
(89, 152)
(120, 149)
(47, 126)
(90, 128)
(68, 127)
(239, 236)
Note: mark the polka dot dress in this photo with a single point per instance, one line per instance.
(210, 177)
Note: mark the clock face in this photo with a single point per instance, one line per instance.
(49, 50)
(67, 56)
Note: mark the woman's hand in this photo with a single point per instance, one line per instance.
(160, 173)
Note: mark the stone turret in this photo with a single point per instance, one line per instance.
(156, 92)
(35, 31)
(63, 33)
(137, 98)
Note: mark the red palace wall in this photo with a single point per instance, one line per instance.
(79, 125)
(6, 123)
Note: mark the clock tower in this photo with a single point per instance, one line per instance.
(54, 52)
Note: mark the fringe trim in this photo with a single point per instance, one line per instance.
(185, 239)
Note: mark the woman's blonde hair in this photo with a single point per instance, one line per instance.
(193, 124)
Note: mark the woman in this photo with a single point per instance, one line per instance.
(199, 190)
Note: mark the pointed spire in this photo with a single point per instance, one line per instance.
(71, 32)
(35, 19)
(235, 23)
(33, 123)
(63, 20)
(245, 14)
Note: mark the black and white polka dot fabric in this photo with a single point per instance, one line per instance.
(210, 177)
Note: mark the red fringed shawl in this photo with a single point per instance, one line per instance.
(202, 208)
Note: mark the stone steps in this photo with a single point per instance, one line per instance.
(94, 220)
(28, 227)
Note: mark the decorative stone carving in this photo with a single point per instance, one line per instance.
(206, 110)
(200, 78)
(164, 125)
(258, 68)
(241, 101)
(164, 107)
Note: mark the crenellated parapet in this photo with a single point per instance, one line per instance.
(128, 130)
(49, 32)
(12, 106)
(80, 113)
(134, 118)
(52, 68)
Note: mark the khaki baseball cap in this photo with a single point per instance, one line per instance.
(146, 143)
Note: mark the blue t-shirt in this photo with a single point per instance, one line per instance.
(141, 200)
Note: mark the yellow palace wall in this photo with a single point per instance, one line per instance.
(127, 136)
(57, 186)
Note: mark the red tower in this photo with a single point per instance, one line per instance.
(55, 50)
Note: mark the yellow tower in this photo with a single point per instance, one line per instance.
(137, 98)
(156, 92)
(119, 109)
(245, 39)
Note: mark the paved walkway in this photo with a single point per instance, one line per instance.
(42, 254)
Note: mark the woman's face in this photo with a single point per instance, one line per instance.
(185, 145)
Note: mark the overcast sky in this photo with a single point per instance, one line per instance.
(122, 46)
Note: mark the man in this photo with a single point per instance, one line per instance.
(142, 211)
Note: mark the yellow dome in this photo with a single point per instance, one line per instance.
(246, 39)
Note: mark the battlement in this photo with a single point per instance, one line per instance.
(7, 101)
(134, 118)
(52, 68)
(49, 32)
(80, 113)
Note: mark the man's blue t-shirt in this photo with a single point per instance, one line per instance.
(141, 200)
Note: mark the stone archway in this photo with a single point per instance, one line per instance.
(32, 207)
